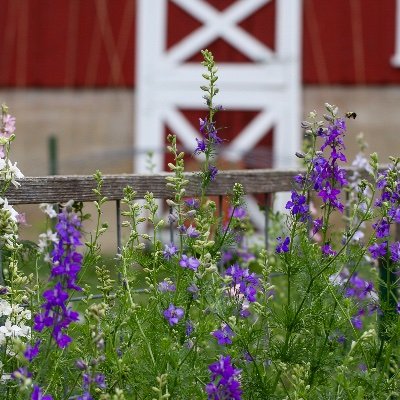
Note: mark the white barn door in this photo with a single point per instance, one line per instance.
(166, 84)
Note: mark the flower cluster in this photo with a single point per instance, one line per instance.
(173, 314)
(298, 206)
(225, 382)
(8, 171)
(326, 176)
(15, 319)
(361, 290)
(66, 264)
(389, 205)
(224, 335)
(243, 282)
(283, 245)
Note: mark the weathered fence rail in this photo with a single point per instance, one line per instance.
(53, 189)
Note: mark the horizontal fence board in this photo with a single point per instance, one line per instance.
(54, 189)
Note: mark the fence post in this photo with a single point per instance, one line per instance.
(53, 155)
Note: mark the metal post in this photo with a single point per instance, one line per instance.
(53, 155)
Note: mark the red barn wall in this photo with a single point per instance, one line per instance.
(91, 43)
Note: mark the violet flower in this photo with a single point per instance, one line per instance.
(225, 382)
(378, 250)
(395, 251)
(32, 351)
(224, 335)
(327, 250)
(173, 314)
(189, 262)
(66, 263)
(243, 281)
(382, 228)
(298, 206)
(166, 286)
(192, 232)
(38, 395)
(283, 245)
(169, 251)
(212, 171)
(192, 203)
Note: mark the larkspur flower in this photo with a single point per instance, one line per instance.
(66, 264)
(48, 209)
(225, 382)
(327, 250)
(166, 286)
(317, 225)
(329, 194)
(394, 214)
(395, 251)
(283, 245)
(357, 322)
(224, 335)
(192, 203)
(32, 351)
(243, 281)
(378, 250)
(192, 232)
(382, 228)
(212, 172)
(359, 288)
(193, 290)
(81, 365)
(173, 314)
(21, 374)
(201, 146)
(169, 251)
(37, 394)
(237, 212)
(9, 125)
(298, 205)
(189, 328)
(189, 262)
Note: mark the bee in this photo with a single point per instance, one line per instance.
(351, 114)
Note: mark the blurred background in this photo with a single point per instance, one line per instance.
(87, 71)
(98, 84)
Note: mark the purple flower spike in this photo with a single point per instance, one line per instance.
(283, 245)
(38, 395)
(382, 228)
(298, 206)
(243, 282)
(192, 203)
(224, 335)
(32, 351)
(329, 194)
(166, 286)
(189, 262)
(378, 250)
(357, 322)
(318, 223)
(201, 146)
(192, 232)
(213, 171)
(66, 264)
(327, 250)
(169, 251)
(173, 314)
(238, 212)
(225, 382)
